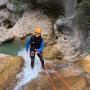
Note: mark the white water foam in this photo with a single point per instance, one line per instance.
(27, 74)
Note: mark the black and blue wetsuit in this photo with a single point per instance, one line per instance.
(35, 43)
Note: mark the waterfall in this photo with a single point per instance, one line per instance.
(27, 73)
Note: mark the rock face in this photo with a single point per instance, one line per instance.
(69, 34)
(68, 6)
(5, 35)
(6, 13)
(25, 25)
(52, 52)
(7, 18)
(29, 21)
(7, 21)
(67, 30)
(44, 82)
(84, 64)
(20, 24)
(77, 83)
(9, 67)
(10, 6)
(3, 2)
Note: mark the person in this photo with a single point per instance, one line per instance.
(36, 44)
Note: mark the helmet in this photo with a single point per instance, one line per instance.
(38, 30)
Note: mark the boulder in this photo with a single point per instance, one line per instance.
(3, 2)
(11, 6)
(9, 67)
(7, 18)
(5, 35)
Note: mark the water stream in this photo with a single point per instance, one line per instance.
(13, 47)
(27, 74)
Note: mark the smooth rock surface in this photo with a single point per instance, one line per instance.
(9, 67)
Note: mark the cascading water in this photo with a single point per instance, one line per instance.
(27, 74)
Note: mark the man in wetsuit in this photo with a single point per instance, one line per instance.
(36, 44)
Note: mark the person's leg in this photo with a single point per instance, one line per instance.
(32, 55)
(41, 59)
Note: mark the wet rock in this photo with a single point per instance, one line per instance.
(8, 40)
(9, 67)
(42, 83)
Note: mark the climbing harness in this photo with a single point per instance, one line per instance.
(32, 53)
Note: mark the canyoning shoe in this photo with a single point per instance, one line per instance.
(32, 64)
(43, 67)
(42, 63)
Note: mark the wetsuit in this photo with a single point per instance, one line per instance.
(36, 44)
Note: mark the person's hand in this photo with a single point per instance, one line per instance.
(36, 52)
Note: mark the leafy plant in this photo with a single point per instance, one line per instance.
(18, 5)
(84, 14)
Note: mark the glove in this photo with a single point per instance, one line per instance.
(37, 51)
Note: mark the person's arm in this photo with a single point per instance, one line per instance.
(27, 44)
(41, 47)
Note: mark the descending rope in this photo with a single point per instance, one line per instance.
(61, 78)
(52, 83)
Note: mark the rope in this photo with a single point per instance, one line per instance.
(61, 78)
(52, 83)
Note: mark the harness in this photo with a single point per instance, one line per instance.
(35, 42)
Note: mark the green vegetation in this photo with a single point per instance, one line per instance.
(18, 6)
(84, 14)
